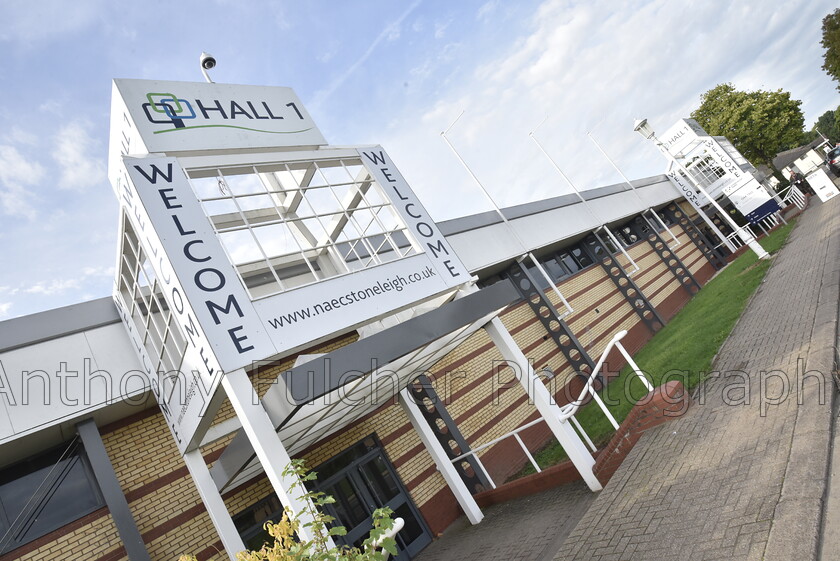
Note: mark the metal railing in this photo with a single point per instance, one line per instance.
(399, 523)
(795, 196)
(739, 239)
(568, 411)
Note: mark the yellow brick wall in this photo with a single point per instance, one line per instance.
(143, 452)
(91, 541)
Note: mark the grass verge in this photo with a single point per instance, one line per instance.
(682, 350)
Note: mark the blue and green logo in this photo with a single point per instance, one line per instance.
(169, 109)
(173, 109)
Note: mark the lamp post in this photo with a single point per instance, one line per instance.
(643, 128)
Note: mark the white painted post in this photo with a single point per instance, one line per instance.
(442, 461)
(214, 503)
(268, 447)
(563, 432)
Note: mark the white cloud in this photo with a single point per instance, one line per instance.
(4, 308)
(391, 32)
(487, 10)
(52, 107)
(27, 23)
(440, 28)
(74, 149)
(98, 271)
(17, 175)
(53, 287)
(17, 135)
(586, 65)
(328, 55)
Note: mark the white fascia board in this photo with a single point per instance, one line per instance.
(67, 379)
(213, 161)
(490, 245)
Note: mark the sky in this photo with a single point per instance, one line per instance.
(374, 72)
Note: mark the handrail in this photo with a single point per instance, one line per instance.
(571, 408)
(794, 194)
(567, 412)
(399, 523)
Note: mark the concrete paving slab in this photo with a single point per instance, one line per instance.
(530, 528)
(743, 475)
(749, 478)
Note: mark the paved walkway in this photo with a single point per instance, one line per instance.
(526, 529)
(743, 474)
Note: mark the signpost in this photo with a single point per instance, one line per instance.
(822, 185)
(227, 328)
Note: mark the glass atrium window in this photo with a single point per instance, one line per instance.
(142, 294)
(290, 224)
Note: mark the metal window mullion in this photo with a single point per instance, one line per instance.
(148, 317)
(374, 210)
(330, 243)
(134, 268)
(410, 245)
(225, 230)
(169, 343)
(253, 235)
(161, 334)
(352, 249)
(388, 240)
(349, 215)
(364, 240)
(280, 214)
(385, 230)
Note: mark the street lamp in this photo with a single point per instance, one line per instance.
(643, 128)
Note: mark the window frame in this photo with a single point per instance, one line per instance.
(43, 462)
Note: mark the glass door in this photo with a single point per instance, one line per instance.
(361, 479)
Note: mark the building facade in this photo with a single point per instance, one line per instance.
(92, 467)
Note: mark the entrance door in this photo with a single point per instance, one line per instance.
(361, 479)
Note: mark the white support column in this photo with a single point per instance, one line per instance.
(444, 465)
(214, 503)
(267, 445)
(563, 432)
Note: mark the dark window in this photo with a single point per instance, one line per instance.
(555, 269)
(626, 236)
(45, 492)
(538, 277)
(583, 260)
(569, 262)
(249, 523)
(665, 219)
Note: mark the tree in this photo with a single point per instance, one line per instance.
(759, 124)
(831, 44)
(827, 125)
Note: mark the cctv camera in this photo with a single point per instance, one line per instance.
(207, 61)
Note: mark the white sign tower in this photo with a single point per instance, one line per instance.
(245, 238)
